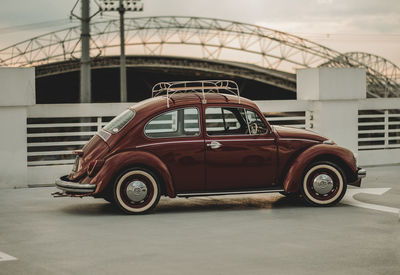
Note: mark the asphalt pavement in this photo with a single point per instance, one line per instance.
(246, 234)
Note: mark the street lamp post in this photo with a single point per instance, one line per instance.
(123, 91)
(85, 78)
(85, 90)
(121, 6)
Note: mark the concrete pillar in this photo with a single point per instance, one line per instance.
(334, 93)
(17, 92)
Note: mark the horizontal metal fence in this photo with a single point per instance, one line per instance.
(292, 119)
(294, 113)
(55, 130)
(378, 129)
(52, 140)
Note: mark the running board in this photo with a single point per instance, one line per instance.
(203, 194)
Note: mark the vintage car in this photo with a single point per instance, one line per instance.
(200, 138)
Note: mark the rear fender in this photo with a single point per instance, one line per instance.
(114, 165)
(294, 176)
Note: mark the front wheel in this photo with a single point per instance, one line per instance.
(324, 184)
(136, 191)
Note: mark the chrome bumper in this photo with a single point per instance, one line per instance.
(361, 173)
(74, 187)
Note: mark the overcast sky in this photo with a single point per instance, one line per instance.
(344, 25)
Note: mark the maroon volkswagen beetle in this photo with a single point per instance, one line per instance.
(197, 139)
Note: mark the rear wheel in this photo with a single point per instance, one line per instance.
(136, 191)
(324, 184)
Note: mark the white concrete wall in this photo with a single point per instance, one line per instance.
(17, 92)
(379, 157)
(334, 93)
(46, 175)
(331, 84)
(17, 86)
(337, 120)
(13, 160)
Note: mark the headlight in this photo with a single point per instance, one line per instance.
(329, 141)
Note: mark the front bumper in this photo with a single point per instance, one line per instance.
(68, 186)
(361, 173)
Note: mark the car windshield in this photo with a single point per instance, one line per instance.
(119, 122)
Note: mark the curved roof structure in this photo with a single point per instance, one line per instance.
(203, 38)
(275, 78)
(377, 63)
(387, 86)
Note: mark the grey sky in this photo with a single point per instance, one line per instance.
(345, 25)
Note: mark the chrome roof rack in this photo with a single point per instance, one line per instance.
(199, 86)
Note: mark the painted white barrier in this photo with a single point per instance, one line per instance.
(37, 140)
(17, 93)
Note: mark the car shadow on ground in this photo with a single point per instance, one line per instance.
(227, 203)
(199, 204)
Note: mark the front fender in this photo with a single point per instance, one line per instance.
(123, 160)
(294, 176)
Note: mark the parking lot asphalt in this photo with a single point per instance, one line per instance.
(246, 234)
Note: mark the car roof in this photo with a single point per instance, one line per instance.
(183, 99)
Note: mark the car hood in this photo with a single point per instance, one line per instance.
(291, 132)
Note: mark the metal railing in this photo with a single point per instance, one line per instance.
(378, 126)
(292, 119)
(51, 140)
(378, 129)
(55, 130)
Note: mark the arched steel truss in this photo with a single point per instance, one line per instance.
(377, 63)
(387, 86)
(204, 38)
(279, 79)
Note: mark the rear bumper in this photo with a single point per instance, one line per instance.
(361, 173)
(74, 187)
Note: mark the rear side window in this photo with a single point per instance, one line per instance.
(176, 123)
(119, 122)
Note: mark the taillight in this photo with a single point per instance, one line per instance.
(78, 153)
(94, 167)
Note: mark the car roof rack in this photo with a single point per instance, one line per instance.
(198, 86)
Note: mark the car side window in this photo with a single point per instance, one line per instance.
(176, 123)
(225, 121)
(256, 125)
(233, 121)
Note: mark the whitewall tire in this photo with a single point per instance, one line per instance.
(324, 184)
(136, 191)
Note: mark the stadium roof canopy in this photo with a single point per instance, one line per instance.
(248, 47)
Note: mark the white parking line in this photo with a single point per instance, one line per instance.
(5, 257)
(350, 200)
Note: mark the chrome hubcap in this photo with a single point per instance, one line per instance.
(323, 184)
(136, 191)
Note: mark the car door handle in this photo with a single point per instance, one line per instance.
(214, 145)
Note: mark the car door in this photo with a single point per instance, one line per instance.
(179, 143)
(241, 152)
